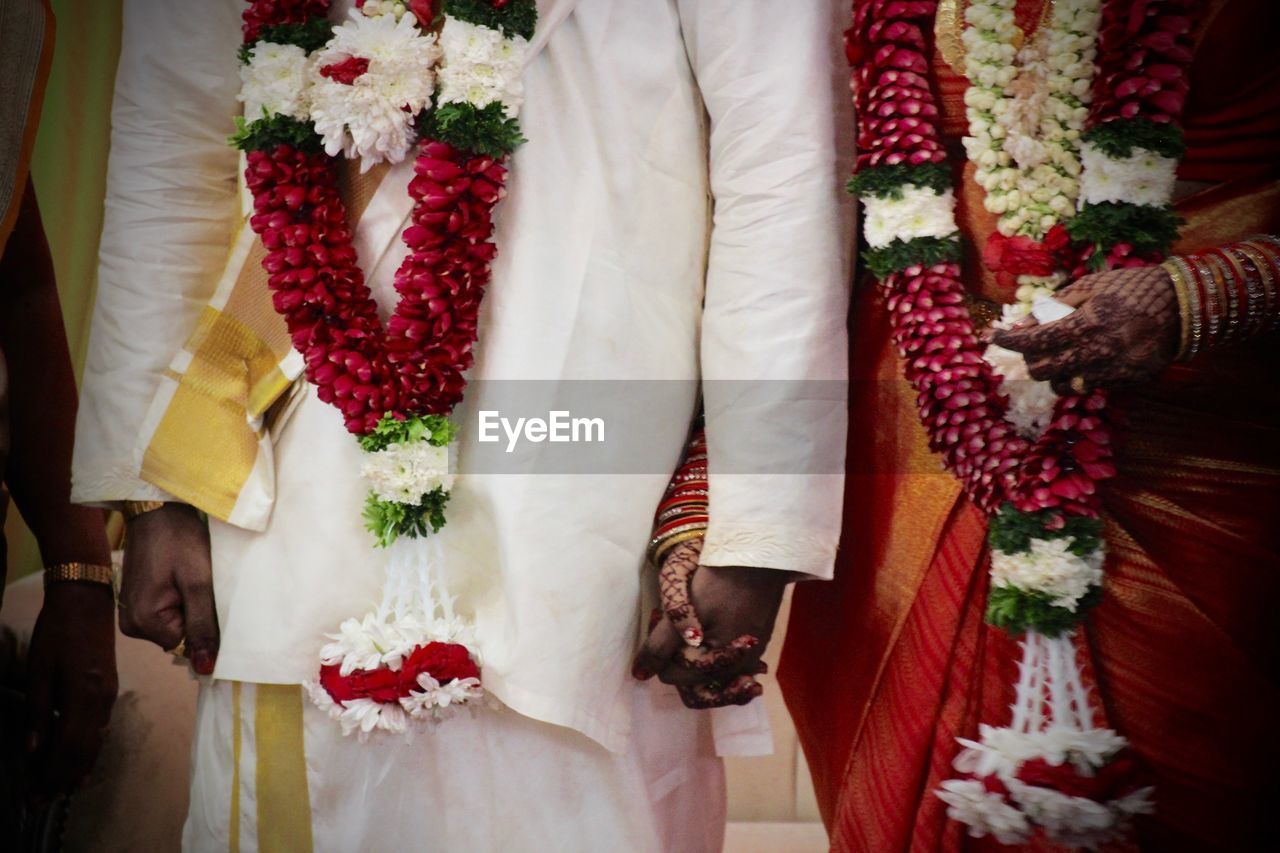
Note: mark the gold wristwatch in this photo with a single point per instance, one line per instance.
(82, 572)
(133, 509)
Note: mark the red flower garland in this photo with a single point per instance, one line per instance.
(958, 398)
(416, 364)
(1142, 61)
(273, 13)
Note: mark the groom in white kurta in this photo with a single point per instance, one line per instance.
(677, 214)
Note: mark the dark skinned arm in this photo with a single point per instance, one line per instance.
(71, 666)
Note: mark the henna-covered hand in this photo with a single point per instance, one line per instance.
(1124, 330)
(713, 629)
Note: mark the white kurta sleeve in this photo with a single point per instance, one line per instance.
(171, 208)
(774, 338)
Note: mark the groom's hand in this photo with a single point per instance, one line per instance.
(714, 629)
(166, 589)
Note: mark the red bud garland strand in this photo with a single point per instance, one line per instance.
(415, 365)
(263, 14)
(957, 391)
(1143, 54)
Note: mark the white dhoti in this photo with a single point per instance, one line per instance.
(273, 773)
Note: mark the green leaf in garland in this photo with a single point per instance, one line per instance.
(488, 130)
(1017, 612)
(517, 17)
(1010, 531)
(890, 181)
(272, 130)
(311, 36)
(389, 520)
(901, 254)
(437, 430)
(1119, 137)
(1106, 224)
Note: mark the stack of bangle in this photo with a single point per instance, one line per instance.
(1227, 294)
(78, 572)
(682, 515)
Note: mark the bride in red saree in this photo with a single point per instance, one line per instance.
(884, 671)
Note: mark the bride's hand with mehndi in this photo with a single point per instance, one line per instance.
(713, 628)
(1124, 331)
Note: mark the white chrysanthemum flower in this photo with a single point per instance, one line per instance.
(372, 117)
(481, 66)
(1144, 177)
(405, 473)
(921, 212)
(984, 812)
(1051, 569)
(274, 81)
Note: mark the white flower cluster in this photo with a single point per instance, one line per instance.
(1031, 401)
(1079, 821)
(372, 117)
(921, 212)
(984, 812)
(1143, 177)
(1049, 568)
(1026, 109)
(363, 717)
(481, 66)
(274, 81)
(405, 473)
(384, 639)
(1066, 819)
(1000, 751)
(433, 700)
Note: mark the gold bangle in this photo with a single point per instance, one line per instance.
(1264, 257)
(81, 572)
(1184, 306)
(1249, 287)
(1195, 306)
(1258, 258)
(1214, 301)
(1227, 293)
(660, 549)
(133, 509)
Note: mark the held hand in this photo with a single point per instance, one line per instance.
(1124, 330)
(166, 590)
(715, 628)
(71, 684)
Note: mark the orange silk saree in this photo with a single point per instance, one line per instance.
(884, 670)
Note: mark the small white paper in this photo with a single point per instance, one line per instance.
(1046, 309)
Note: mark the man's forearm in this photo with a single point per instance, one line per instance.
(42, 395)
